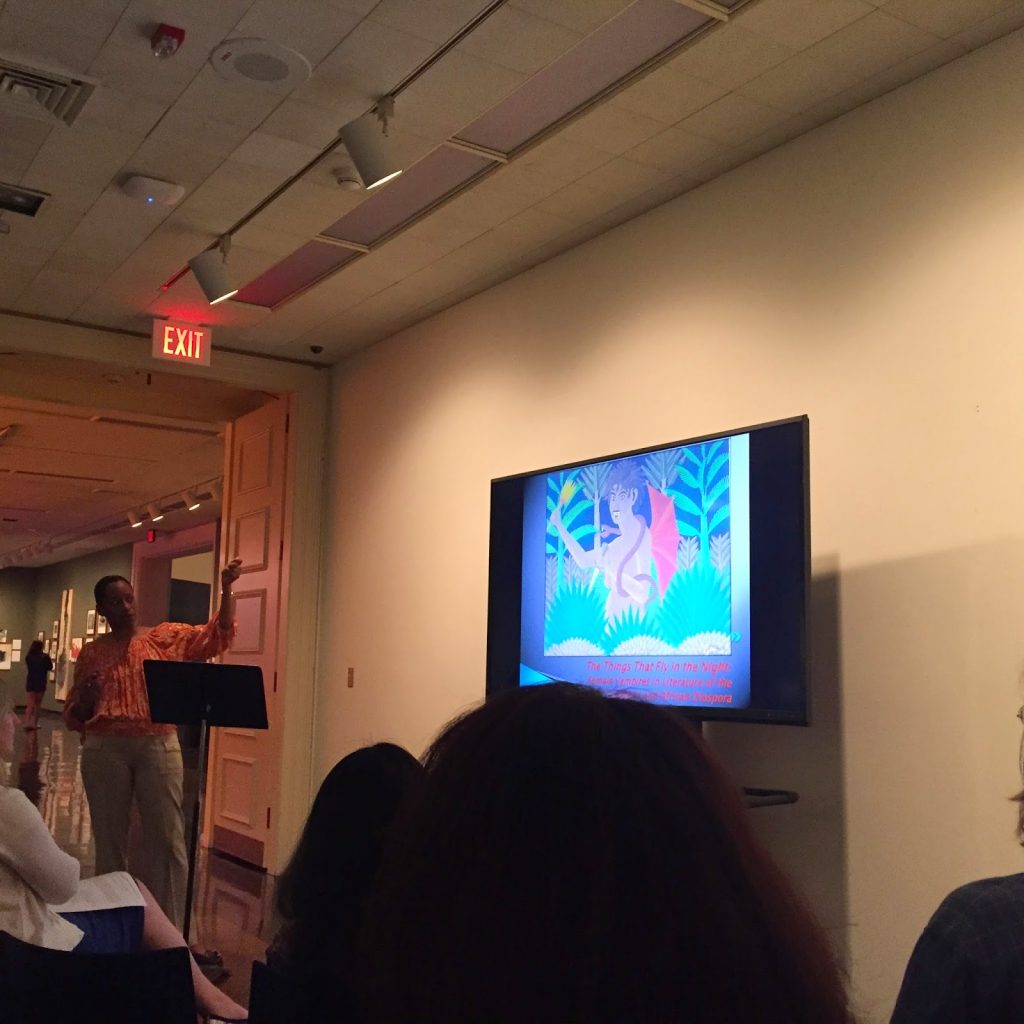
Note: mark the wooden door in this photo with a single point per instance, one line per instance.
(243, 784)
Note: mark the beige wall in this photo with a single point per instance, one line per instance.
(867, 274)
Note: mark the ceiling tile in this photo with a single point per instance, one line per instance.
(13, 281)
(447, 228)
(944, 17)
(57, 294)
(268, 240)
(313, 32)
(518, 40)
(730, 55)
(84, 154)
(92, 18)
(302, 122)
(801, 23)
(732, 119)
(454, 92)
(45, 45)
(993, 28)
(307, 208)
(263, 150)
(166, 159)
(113, 228)
(229, 193)
(799, 83)
(436, 20)
(668, 95)
(366, 65)
(919, 64)
(611, 129)
(122, 110)
(245, 104)
(125, 61)
(49, 228)
(22, 138)
(870, 45)
(561, 160)
(675, 149)
(501, 196)
(580, 15)
(201, 129)
(609, 185)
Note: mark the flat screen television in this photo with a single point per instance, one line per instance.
(676, 574)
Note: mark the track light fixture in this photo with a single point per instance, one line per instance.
(134, 519)
(191, 500)
(154, 513)
(217, 491)
(211, 272)
(371, 148)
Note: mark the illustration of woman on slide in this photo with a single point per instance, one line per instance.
(625, 560)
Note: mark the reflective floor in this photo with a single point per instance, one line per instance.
(233, 904)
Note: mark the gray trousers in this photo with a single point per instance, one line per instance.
(147, 769)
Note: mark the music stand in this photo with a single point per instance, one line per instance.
(198, 693)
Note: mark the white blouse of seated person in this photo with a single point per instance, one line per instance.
(39, 882)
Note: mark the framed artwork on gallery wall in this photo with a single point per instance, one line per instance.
(56, 627)
(102, 626)
(3, 636)
(75, 649)
(90, 621)
(41, 636)
(5, 657)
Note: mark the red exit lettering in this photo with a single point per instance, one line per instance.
(181, 343)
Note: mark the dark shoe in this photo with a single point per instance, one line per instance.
(206, 957)
(215, 973)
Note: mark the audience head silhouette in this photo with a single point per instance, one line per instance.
(573, 857)
(321, 894)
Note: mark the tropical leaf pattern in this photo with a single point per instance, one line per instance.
(660, 469)
(696, 609)
(689, 549)
(721, 551)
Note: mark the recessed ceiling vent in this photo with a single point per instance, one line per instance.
(42, 94)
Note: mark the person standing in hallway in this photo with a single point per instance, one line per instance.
(38, 665)
(126, 756)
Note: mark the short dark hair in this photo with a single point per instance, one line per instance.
(99, 592)
(579, 858)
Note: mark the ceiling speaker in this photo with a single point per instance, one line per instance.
(268, 64)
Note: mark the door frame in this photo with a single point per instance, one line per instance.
(304, 520)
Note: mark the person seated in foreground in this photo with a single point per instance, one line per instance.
(968, 964)
(43, 901)
(578, 858)
(321, 894)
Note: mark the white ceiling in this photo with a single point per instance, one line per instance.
(69, 473)
(776, 70)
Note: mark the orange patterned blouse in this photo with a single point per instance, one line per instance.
(122, 708)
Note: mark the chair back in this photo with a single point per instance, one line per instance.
(269, 996)
(48, 986)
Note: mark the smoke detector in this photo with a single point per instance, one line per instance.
(347, 179)
(153, 191)
(270, 65)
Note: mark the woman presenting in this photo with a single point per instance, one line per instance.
(126, 756)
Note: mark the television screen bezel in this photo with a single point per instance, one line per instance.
(497, 663)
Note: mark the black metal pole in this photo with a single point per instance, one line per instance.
(197, 815)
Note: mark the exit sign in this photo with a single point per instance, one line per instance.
(181, 343)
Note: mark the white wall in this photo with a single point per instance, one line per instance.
(868, 274)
